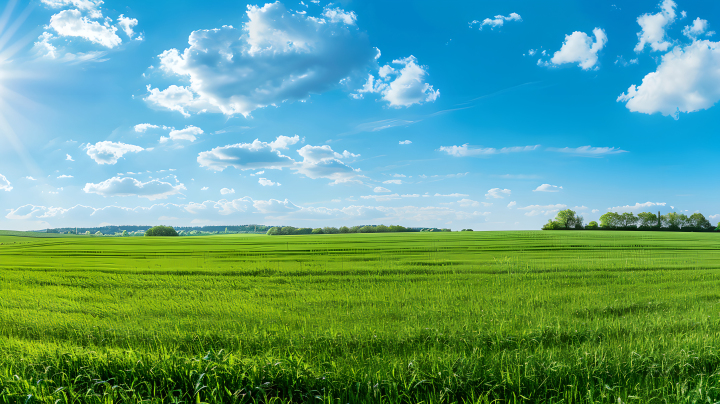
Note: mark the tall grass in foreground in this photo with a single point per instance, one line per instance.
(498, 317)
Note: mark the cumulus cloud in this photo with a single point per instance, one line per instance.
(589, 150)
(547, 188)
(497, 21)
(687, 80)
(64, 176)
(698, 28)
(282, 142)
(511, 204)
(637, 206)
(465, 150)
(396, 182)
(653, 27)
(579, 48)
(332, 169)
(468, 203)
(276, 56)
(401, 87)
(127, 25)
(143, 127)
(5, 184)
(315, 154)
(127, 186)
(108, 152)
(190, 134)
(267, 183)
(227, 191)
(72, 23)
(68, 157)
(497, 193)
(244, 156)
(405, 142)
(454, 195)
(381, 189)
(86, 5)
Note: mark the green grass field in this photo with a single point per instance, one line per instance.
(471, 317)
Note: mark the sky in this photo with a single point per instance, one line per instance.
(489, 115)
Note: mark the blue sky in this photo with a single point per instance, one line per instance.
(487, 114)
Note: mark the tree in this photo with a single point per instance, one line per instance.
(99, 233)
(566, 219)
(317, 231)
(344, 229)
(628, 219)
(647, 219)
(330, 230)
(552, 225)
(161, 231)
(466, 230)
(87, 233)
(382, 229)
(367, 229)
(698, 221)
(273, 231)
(592, 226)
(674, 220)
(124, 233)
(610, 220)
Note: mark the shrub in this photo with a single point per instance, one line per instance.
(592, 225)
(161, 231)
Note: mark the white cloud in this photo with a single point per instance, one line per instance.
(30, 178)
(468, 203)
(579, 48)
(64, 176)
(257, 173)
(687, 80)
(637, 206)
(332, 169)
(5, 184)
(511, 204)
(72, 23)
(177, 98)
(190, 134)
(381, 198)
(87, 5)
(454, 195)
(276, 56)
(535, 210)
(595, 210)
(339, 15)
(227, 191)
(407, 88)
(267, 183)
(589, 150)
(396, 182)
(204, 188)
(497, 193)
(653, 27)
(68, 157)
(713, 217)
(465, 150)
(698, 28)
(405, 142)
(381, 189)
(141, 128)
(410, 196)
(244, 156)
(108, 152)
(275, 206)
(282, 142)
(547, 188)
(399, 176)
(116, 186)
(127, 25)
(497, 21)
(315, 154)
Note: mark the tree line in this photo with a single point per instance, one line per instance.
(289, 230)
(569, 220)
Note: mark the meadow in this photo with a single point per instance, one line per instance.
(466, 317)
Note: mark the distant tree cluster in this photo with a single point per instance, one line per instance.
(160, 231)
(289, 230)
(673, 221)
